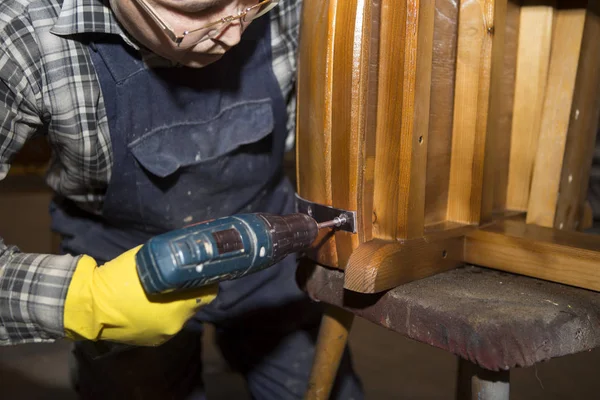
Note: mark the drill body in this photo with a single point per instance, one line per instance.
(221, 249)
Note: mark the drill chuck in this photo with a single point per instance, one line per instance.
(290, 233)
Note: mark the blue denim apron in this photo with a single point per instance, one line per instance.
(189, 145)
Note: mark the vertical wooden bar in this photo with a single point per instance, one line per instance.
(389, 111)
(315, 84)
(402, 126)
(491, 137)
(479, 21)
(351, 130)
(415, 119)
(583, 126)
(502, 92)
(344, 146)
(535, 39)
(370, 12)
(441, 111)
(501, 121)
(557, 112)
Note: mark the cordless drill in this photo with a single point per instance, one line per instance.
(223, 249)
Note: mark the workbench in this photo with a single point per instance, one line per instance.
(492, 321)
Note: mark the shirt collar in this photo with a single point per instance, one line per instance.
(89, 16)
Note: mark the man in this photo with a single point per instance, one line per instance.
(161, 114)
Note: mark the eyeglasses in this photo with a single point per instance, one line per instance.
(192, 37)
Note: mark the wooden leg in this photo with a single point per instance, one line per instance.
(475, 383)
(333, 336)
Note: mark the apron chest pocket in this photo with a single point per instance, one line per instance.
(165, 150)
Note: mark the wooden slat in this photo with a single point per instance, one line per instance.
(476, 40)
(352, 132)
(441, 111)
(344, 133)
(337, 105)
(389, 112)
(315, 82)
(535, 39)
(501, 112)
(403, 118)
(370, 24)
(564, 58)
(572, 258)
(583, 126)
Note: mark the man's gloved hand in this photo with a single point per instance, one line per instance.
(109, 303)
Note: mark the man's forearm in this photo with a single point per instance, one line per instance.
(33, 288)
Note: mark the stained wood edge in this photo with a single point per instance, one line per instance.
(571, 258)
(380, 265)
(511, 245)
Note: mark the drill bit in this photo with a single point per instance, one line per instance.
(336, 222)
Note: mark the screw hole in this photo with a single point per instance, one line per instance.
(444, 254)
(420, 139)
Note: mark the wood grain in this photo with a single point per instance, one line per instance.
(389, 119)
(313, 118)
(476, 39)
(572, 258)
(440, 111)
(333, 337)
(353, 128)
(403, 118)
(583, 127)
(566, 45)
(337, 106)
(501, 110)
(496, 138)
(344, 129)
(535, 39)
(369, 78)
(380, 265)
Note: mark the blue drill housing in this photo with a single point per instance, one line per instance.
(206, 253)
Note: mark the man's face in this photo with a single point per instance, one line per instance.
(183, 15)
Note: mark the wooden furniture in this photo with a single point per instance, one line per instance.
(459, 132)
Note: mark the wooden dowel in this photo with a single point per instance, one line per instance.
(333, 337)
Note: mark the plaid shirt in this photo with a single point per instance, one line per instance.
(48, 86)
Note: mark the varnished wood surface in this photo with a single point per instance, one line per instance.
(583, 127)
(571, 258)
(497, 138)
(367, 112)
(369, 78)
(339, 47)
(313, 144)
(535, 40)
(380, 265)
(405, 54)
(475, 57)
(347, 93)
(556, 114)
(502, 106)
(441, 111)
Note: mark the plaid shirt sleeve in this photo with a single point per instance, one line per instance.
(33, 287)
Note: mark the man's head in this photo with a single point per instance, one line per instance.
(194, 33)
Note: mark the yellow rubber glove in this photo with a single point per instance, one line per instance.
(109, 303)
